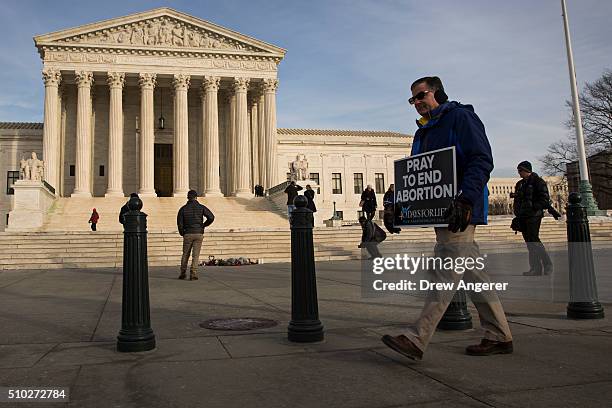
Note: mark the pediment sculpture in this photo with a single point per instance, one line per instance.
(160, 32)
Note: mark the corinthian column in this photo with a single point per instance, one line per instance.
(261, 131)
(147, 137)
(115, 81)
(51, 140)
(211, 137)
(181, 136)
(82, 187)
(243, 162)
(270, 86)
(254, 108)
(231, 144)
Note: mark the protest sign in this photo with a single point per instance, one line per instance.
(425, 185)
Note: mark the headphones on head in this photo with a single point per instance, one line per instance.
(440, 96)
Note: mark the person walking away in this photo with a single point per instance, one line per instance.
(93, 220)
(310, 195)
(292, 192)
(191, 225)
(125, 209)
(531, 198)
(444, 124)
(371, 236)
(368, 202)
(389, 210)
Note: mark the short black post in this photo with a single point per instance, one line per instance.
(583, 302)
(136, 333)
(457, 315)
(305, 326)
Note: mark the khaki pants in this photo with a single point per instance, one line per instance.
(191, 242)
(490, 311)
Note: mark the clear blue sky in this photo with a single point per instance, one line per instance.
(349, 64)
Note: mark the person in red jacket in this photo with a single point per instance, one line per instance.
(93, 220)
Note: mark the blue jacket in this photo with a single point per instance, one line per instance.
(454, 124)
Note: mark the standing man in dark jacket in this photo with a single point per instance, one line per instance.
(531, 198)
(444, 124)
(191, 224)
(292, 192)
(368, 202)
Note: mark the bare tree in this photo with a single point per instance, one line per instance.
(596, 111)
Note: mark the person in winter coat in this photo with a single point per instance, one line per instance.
(310, 195)
(443, 124)
(368, 202)
(371, 236)
(93, 220)
(191, 224)
(292, 192)
(124, 210)
(389, 210)
(531, 198)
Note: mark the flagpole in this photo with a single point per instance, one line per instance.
(585, 185)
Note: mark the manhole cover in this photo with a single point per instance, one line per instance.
(238, 323)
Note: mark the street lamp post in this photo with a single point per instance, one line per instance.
(586, 192)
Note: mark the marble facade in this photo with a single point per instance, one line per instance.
(105, 88)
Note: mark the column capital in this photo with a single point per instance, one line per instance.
(147, 80)
(211, 83)
(115, 79)
(181, 82)
(241, 84)
(84, 78)
(51, 77)
(270, 85)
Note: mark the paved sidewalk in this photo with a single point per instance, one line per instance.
(58, 328)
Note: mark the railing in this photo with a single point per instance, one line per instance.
(49, 187)
(280, 187)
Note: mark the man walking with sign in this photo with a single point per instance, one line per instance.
(445, 124)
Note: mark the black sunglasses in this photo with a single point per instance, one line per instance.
(418, 96)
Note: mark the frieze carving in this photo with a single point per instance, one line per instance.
(200, 62)
(161, 32)
(51, 77)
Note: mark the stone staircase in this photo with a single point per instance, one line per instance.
(86, 249)
(72, 214)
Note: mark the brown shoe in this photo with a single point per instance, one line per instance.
(402, 345)
(182, 275)
(193, 277)
(489, 347)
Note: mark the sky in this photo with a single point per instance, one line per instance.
(350, 63)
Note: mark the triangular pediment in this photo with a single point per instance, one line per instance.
(161, 29)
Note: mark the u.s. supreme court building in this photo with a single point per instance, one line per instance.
(161, 102)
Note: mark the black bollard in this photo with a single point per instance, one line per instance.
(136, 333)
(583, 303)
(457, 315)
(305, 326)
